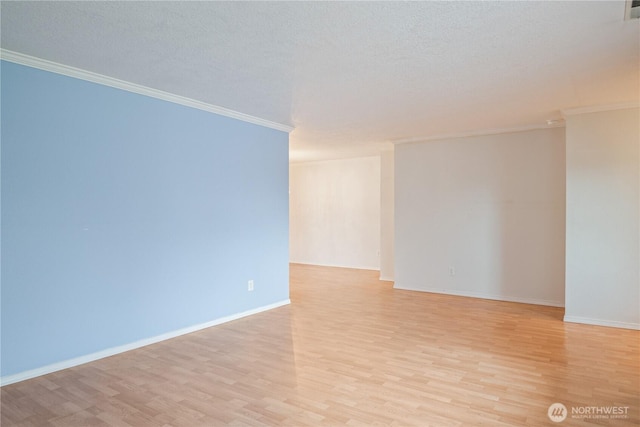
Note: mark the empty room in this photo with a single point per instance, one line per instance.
(320, 213)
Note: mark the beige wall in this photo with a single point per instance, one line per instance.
(386, 215)
(482, 216)
(603, 191)
(485, 216)
(335, 213)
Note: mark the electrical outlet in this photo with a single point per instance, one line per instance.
(452, 271)
(250, 286)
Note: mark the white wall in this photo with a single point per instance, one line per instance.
(490, 207)
(335, 213)
(386, 215)
(603, 192)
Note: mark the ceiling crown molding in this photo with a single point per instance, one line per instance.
(485, 132)
(43, 64)
(599, 108)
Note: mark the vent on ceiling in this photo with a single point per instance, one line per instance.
(632, 10)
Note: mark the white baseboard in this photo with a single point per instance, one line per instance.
(32, 373)
(386, 279)
(505, 298)
(355, 267)
(600, 322)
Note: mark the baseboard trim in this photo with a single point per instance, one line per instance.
(32, 373)
(600, 322)
(386, 279)
(505, 298)
(336, 266)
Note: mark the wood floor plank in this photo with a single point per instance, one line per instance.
(351, 351)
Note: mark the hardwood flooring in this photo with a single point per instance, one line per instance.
(352, 351)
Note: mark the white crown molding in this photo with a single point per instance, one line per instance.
(54, 67)
(21, 376)
(599, 108)
(484, 132)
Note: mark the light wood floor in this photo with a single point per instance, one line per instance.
(350, 350)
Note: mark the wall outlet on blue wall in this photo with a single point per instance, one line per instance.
(250, 287)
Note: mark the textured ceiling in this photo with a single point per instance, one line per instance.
(350, 76)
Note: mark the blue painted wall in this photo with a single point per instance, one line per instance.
(125, 217)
